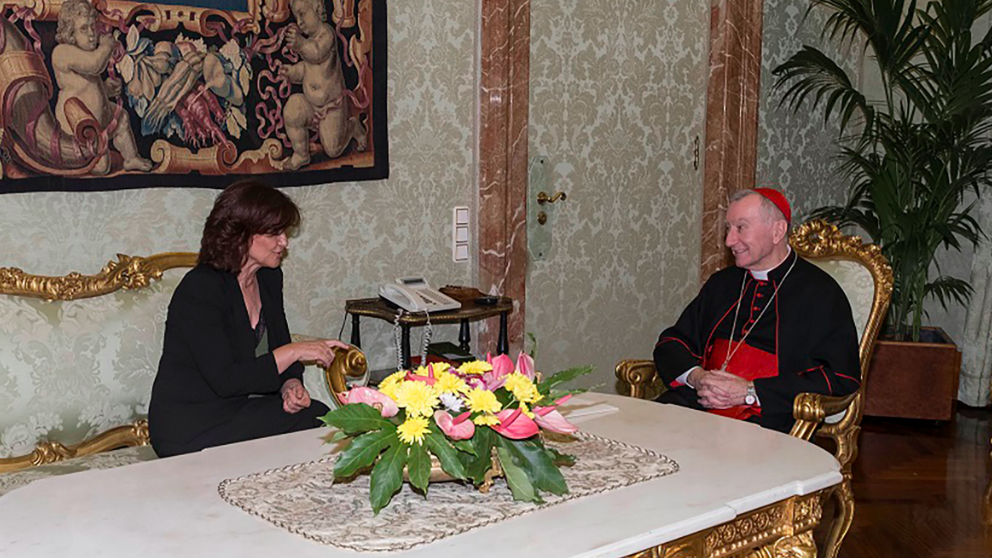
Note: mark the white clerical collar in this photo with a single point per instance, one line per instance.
(763, 274)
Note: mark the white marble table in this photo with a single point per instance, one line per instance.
(169, 507)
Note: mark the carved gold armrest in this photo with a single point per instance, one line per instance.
(134, 434)
(347, 362)
(641, 377)
(811, 409)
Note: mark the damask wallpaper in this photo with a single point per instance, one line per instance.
(795, 149)
(617, 101)
(354, 235)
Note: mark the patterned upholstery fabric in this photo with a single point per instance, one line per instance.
(856, 281)
(72, 369)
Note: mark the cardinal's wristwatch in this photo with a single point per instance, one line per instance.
(751, 397)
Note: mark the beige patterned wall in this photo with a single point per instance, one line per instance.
(795, 149)
(617, 98)
(354, 235)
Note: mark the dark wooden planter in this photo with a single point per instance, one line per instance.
(909, 379)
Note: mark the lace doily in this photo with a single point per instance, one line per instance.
(304, 499)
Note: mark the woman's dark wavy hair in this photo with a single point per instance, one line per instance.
(243, 209)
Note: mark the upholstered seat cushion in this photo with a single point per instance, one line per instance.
(103, 460)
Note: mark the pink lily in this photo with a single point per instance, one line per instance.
(525, 365)
(429, 379)
(550, 419)
(372, 397)
(502, 367)
(474, 382)
(515, 425)
(457, 428)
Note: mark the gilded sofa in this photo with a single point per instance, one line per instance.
(78, 354)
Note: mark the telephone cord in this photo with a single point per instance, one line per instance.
(426, 339)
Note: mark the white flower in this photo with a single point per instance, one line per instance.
(451, 402)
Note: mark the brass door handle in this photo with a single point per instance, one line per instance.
(543, 197)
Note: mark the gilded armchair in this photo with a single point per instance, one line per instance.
(866, 278)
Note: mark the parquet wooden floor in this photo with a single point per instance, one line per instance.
(920, 488)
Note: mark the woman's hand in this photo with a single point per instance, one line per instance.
(295, 397)
(320, 351)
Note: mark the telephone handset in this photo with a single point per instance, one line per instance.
(413, 294)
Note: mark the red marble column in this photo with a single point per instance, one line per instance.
(503, 113)
(731, 118)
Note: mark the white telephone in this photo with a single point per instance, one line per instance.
(413, 294)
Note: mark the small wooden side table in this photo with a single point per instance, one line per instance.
(469, 312)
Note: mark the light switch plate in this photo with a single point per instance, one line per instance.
(459, 233)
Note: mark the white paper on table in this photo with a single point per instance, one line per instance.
(577, 413)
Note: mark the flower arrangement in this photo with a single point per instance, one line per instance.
(465, 417)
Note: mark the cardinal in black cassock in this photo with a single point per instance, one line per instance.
(762, 331)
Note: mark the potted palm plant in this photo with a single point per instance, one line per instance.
(914, 148)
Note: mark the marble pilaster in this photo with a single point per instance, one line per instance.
(731, 118)
(503, 113)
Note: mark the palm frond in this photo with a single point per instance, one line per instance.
(811, 72)
(946, 289)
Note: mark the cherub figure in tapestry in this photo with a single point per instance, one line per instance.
(323, 104)
(79, 61)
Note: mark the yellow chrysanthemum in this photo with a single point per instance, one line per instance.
(475, 367)
(522, 388)
(389, 384)
(486, 420)
(418, 398)
(413, 430)
(526, 410)
(440, 367)
(482, 401)
(449, 383)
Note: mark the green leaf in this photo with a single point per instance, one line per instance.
(516, 478)
(533, 344)
(504, 397)
(465, 446)
(537, 462)
(438, 444)
(561, 459)
(562, 377)
(356, 418)
(336, 437)
(363, 451)
(480, 461)
(387, 476)
(418, 466)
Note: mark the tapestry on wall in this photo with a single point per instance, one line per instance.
(109, 94)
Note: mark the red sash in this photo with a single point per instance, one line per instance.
(748, 363)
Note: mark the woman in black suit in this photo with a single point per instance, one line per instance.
(228, 370)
